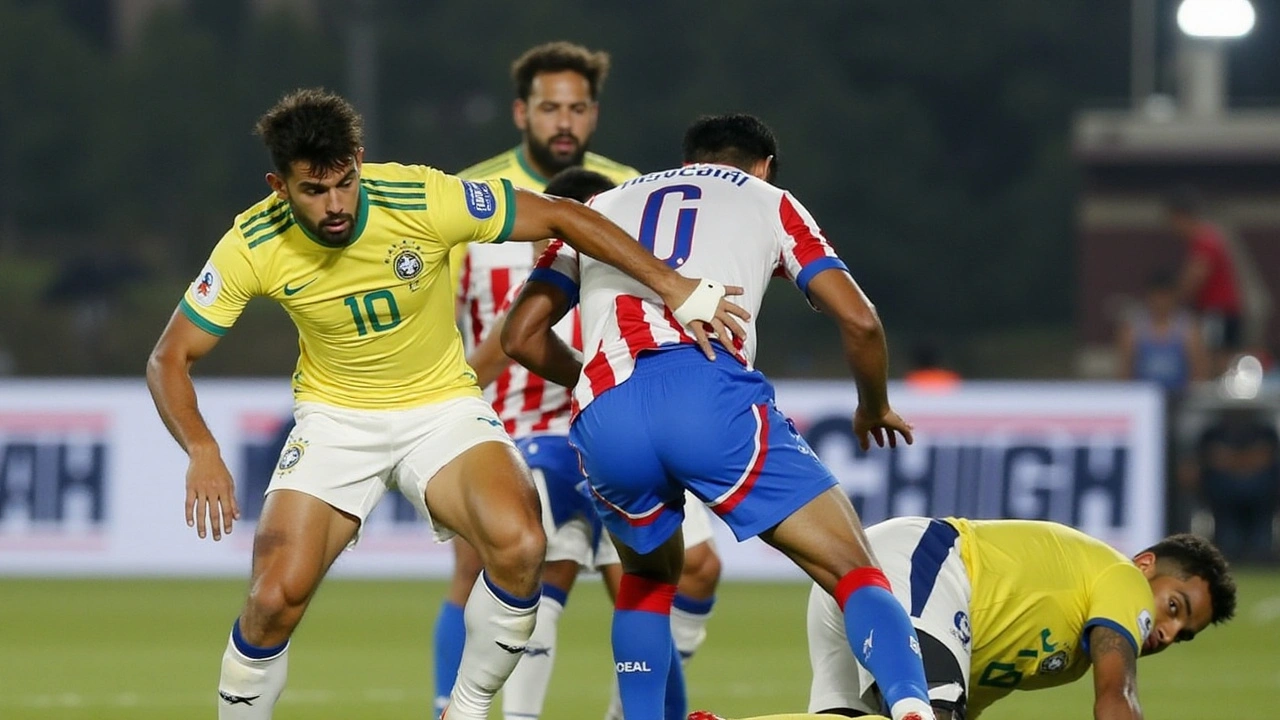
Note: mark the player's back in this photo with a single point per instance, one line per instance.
(1038, 587)
(703, 220)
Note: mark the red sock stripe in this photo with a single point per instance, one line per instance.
(637, 593)
(857, 579)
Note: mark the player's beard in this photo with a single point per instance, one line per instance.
(547, 159)
(323, 234)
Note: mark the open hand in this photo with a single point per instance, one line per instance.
(694, 310)
(211, 495)
(884, 428)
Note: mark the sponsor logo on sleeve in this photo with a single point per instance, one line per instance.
(207, 286)
(480, 200)
(1145, 624)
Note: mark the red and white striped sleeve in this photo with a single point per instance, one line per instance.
(559, 266)
(805, 250)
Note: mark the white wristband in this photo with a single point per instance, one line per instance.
(701, 303)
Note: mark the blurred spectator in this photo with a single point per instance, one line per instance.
(90, 286)
(1218, 279)
(1239, 479)
(927, 372)
(1160, 342)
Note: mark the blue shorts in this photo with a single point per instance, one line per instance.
(567, 493)
(681, 421)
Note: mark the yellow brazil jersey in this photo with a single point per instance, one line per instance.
(375, 317)
(514, 166)
(1038, 587)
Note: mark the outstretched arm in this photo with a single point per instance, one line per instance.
(1115, 675)
(836, 294)
(587, 231)
(210, 488)
(528, 337)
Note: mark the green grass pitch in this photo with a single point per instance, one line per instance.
(144, 649)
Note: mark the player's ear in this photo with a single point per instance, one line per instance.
(359, 158)
(278, 185)
(1146, 562)
(520, 114)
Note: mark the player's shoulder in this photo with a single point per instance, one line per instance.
(393, 175)
(611, 169)
(261, 222)
(497, 166)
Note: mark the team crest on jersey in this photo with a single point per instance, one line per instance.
(207, 286)
(405, 259)
(1055, 663)
(480, 200)
(291, 455)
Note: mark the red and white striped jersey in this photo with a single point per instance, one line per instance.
(526, 403)
(704, 220)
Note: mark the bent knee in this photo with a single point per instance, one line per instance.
(701, 571)
(521, 548)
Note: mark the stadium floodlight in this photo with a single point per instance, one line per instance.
(1216, 18)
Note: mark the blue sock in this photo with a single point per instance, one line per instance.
(677, 706)
(643, 651)
(450, 636)
(881, 635)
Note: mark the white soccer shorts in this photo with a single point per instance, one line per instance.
(350, 458)
(839, 681)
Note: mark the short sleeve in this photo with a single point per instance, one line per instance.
(805, 251)
(1120, 599)
(558, 265)
(224, 286)
(462, 211)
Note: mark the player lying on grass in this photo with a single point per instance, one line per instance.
(1004, 605)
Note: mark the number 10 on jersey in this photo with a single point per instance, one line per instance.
(682, 241)
(380, 319)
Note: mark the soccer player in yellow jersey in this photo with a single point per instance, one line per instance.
(356, 254)
(556, 107)
(1004, 605)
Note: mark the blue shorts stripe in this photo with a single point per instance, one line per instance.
(926, 562)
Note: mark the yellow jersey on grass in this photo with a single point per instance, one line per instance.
(514, 166)
(1038, 589)
(374, 317)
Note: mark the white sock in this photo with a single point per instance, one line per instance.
(498, 630)
(249, 688)
(526, 689)
(906, 706)
(688, 630)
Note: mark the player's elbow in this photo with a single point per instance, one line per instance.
(521, 338)
(1117, 704)
(861, 325)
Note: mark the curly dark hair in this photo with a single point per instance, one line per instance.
(1193, 556)
(739, 140)
(557, 57)
(312, 125)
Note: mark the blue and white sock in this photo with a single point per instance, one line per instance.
(252, 678)
(499, 625)
(689, 624)
(526, 689)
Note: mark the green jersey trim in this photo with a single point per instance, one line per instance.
(509, 223)
(200, 322)
(524, 165)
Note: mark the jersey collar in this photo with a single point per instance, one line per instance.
(362, 219)
(527, 166)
